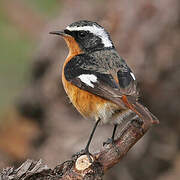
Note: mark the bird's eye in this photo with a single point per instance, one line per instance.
(82, 34)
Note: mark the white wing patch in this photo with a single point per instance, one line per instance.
(133, 76)
(98, 31)
(88, 79)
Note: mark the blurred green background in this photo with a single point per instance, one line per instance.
(17, 45)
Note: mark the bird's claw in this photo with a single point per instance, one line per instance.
(109, 141)
(83, 152)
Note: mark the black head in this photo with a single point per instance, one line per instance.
(90, 36)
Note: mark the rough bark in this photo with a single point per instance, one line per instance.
(80, 167)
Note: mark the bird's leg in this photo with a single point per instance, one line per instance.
(111, 140)
(86, 150)
(114, 131)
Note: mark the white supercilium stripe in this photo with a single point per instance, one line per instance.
(98, 31)
(88, 79)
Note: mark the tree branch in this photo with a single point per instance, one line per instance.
(79, 167)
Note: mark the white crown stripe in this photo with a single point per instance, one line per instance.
(98, 31)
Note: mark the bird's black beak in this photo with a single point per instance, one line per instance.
(60, 33)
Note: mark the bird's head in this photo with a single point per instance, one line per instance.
(88, 36)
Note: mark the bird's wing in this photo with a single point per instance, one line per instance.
(101, 82)
(120, 88)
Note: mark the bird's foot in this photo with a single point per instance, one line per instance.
(83, 152)
(109, 141)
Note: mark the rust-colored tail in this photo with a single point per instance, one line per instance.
(145, 113)
(140, 110)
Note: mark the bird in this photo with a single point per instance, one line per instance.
(97, 79)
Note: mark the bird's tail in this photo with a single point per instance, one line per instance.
(145, 113)
(140, 110)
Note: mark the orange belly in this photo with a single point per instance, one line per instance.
(86, 103)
